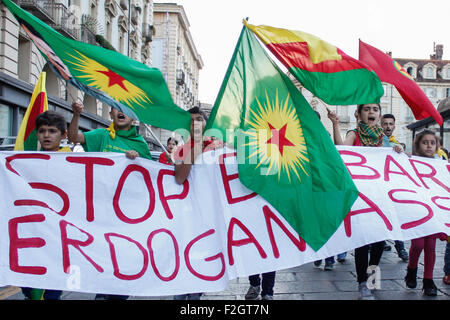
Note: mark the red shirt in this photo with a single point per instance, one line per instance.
(179, 154)
(164, 159)
(357, 141)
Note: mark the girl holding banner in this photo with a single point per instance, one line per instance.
(367, 133)
(425, 145)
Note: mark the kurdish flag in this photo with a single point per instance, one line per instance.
(390, 71)
(122, 83)
(321, 68)
(27, 138)
(284, 153)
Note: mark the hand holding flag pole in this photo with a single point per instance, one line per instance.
(146, 125)
(154, 137)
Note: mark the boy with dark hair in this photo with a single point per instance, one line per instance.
(51, 129)
(388, 125)
(186, 155)
(121, 136)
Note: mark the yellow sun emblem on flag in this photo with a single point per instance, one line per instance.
(108, 81)
(276, 138)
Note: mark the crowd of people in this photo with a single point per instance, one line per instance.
(373, 130)
(370, 133)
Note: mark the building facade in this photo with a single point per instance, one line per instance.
(122, 25)
(175, 54)
(433, 76)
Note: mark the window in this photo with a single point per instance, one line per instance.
(122, 43)
(24, 63)
(411, 68)
(52, 82)
(385, 88)
(430, 92)
(447, 73)
(90, 104)
(447, 92)
(5, 121)
(157, 54)
(109, 31)
(410, 71)
(409, 115)
(429, 71)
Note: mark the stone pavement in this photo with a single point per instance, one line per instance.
(307, 282)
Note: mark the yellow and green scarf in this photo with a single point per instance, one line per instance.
(371, 136)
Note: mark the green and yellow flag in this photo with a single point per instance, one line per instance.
(27, 138)
(284, 152)
(122, 83)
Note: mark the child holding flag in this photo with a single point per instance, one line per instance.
(120, 136)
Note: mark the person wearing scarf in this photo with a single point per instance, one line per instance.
(121, 136)
(368, 134)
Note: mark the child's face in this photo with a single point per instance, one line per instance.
(197, 124)
(50, 137)
(370, 114)
(121, 121)
(428, 146)
(171, 145)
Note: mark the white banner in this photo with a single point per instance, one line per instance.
(100, 223)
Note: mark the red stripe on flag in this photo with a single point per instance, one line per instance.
(36, 109)
(296, 54)
(411, 92)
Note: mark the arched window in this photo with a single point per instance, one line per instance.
(411, 68)
(429, 71)
(410, 71)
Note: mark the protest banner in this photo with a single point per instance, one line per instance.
(98, 222)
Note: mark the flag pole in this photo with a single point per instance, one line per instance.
(146, 126)
(154, 137)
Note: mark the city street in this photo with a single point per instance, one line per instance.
(308, 282)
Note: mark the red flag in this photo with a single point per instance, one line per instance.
(390, 71)
(26, 137)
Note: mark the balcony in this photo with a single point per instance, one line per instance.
(41, 9)
(86, 35)
(64, 21)
(180, 77)
(54, 14)
(147, 33)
